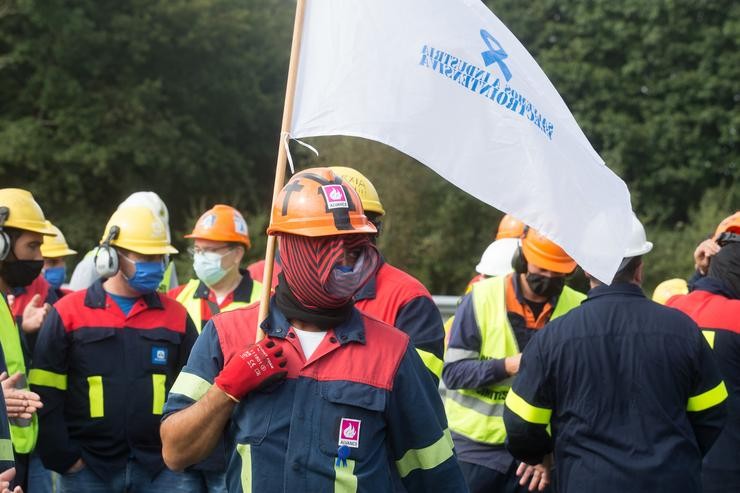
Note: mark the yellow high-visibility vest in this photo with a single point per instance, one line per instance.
(478, 413)
(23, 433)
(193, 305)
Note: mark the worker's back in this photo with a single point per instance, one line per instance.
(622, 371)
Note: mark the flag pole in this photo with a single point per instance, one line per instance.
(282, 158)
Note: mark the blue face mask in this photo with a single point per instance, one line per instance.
(55, 276)
(147, 276)
(344, 268)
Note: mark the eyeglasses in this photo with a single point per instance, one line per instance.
(201, 251)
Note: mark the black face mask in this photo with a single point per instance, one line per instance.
(545, 286)
(20, 273)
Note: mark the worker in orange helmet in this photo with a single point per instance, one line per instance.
(394, 296)
(331, 399)
(727, 230)
(714, 304)
(491, 327)
(220, 242)
(496, 260)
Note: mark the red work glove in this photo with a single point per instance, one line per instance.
(257, 366)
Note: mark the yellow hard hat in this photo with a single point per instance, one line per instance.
(668, 289)
(364, 187)
(139, 230)
(55, 246)
(23, 212)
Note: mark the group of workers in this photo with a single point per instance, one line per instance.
(123, 381)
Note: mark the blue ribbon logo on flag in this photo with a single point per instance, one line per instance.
(495, 55)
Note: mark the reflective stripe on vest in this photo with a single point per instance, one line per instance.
(23, 432)
(193, 305)
(478, 413)
(245, 453)
(345, 480)
(166, 283)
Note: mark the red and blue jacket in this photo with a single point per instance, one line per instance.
(711, 306)
(400, 300)
(364, 389)
(103, 377)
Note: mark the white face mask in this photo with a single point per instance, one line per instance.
(207, 266)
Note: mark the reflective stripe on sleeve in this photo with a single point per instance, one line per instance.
(427, 457)
(453, 354)
(345, 480)
(158, 392)
(47, 379)
(95, 393)
(245, 453)
(6, 450)
(432, 362)
(191, 386)
(526, 411)
(708, 399)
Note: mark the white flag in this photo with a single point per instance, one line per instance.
(445, 82)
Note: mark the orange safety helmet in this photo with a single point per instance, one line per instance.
(222, 223)
(730, 224)
(540, 251)
(318, 202)
(510, 227)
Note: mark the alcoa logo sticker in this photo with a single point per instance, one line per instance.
(208, 221)
(335, 196)
(349, 432)
(240, 225)
(157, 228)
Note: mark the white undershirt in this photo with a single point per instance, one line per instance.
(309, 340)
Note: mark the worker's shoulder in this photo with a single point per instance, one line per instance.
(390, 278)
(175, 292)
(709, 310)
(72, 300)
(380, 333)
(171, 304)
(640, 313)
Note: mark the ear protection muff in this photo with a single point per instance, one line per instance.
(518, 261)
(106, 257)
(5, 241)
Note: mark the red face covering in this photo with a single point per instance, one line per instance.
(309, 268)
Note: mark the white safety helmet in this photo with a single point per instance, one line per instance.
(151, 201)
(496, 260)
(637, 244)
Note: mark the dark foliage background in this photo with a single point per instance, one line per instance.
(102, 98)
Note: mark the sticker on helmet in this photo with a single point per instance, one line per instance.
(335, 196)
(349, 432)
(157, 228)
(208, 221)
(240, 225)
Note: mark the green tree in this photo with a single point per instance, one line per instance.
(102, 98)
(654, 85)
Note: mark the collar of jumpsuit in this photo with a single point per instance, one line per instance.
(351, 330)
